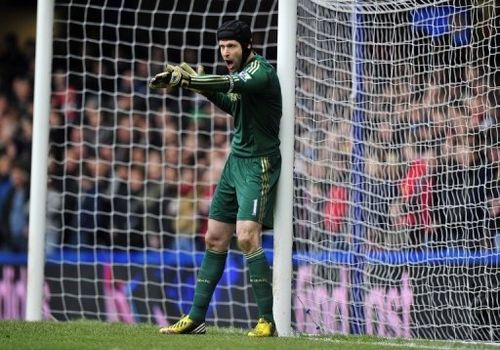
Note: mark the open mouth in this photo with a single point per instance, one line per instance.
(230, 65)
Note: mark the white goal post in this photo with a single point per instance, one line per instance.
(283, 221)
(388, 215)
(36, 247)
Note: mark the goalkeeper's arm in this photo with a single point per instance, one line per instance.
(184, 76)
(242, 82)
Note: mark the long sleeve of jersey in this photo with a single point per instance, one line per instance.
(254, 78)
(253, 97)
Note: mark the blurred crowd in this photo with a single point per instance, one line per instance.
(128, 169)
(417, 165)
(16, 122)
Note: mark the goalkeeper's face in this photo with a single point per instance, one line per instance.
(232, 54)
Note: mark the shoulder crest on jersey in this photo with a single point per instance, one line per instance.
(244, 75)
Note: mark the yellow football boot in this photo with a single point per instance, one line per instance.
(264, 328)
(185, 326)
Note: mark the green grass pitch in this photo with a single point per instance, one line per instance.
(99, 335)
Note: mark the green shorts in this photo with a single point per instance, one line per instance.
(247, 190)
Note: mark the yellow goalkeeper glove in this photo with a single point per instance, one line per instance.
(186, 68)
(172, 76)
(169, 68)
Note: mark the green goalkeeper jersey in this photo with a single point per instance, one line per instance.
(253, 97)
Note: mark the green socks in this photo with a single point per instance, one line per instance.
(211, 270)
(261, 280)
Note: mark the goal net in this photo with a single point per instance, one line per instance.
(395, 165)
(133, 169)
(396, 182)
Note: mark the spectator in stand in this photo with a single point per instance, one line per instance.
(70, 187)
(140, 127)
(475, 79)
(9, 128)
(170, 136)
(22, 96)
(53, 208)
(91, 222)
(23, 140)
(161, 120)
(171, 159)
(382, 174)
(460, 196)
(381, 193)
(153, 199)
(14, 215)
(5, 178)
(96, 130)
(481, 112)
(127, 216)
(138, 155)
(126, 82)
(141, 77)
(188, 149)
(64, 97)
(493, 186)
(124, 139)
(184, 210)
(170, 195)
(336, 209)
(415, 190)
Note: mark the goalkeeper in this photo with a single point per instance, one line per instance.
(244, 199)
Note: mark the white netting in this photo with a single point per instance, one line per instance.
(395, 180)
(132, 169)
(396, 169)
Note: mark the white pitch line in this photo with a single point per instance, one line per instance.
(460, 344)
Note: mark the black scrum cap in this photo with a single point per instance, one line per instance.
(235, 30)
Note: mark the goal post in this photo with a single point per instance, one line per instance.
(283, 232)
(38, 188)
